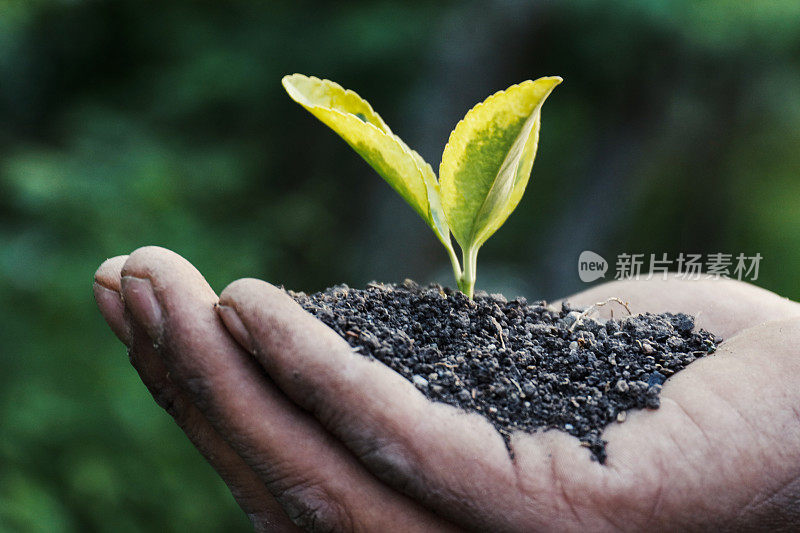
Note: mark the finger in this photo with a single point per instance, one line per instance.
(724, 307)
(312, 475)
(454, 462)
(247, 489)
(107, 295)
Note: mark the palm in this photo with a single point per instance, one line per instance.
(345, 443)
(721, 450)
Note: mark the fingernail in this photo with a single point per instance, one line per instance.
(141, 300)
(236, 327)
(110, 303)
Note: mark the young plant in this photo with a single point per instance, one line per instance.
(485, 166)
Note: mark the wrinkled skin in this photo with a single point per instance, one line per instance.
(309, 435)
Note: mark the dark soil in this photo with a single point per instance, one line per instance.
(518, 364)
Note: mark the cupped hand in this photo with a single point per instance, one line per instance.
(308, 433)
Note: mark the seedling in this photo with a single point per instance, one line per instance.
(485, 166)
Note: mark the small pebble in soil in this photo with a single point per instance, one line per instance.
(523, 366)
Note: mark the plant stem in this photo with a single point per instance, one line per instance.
(466, 282)
(451, 253)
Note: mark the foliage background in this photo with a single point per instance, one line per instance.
(126, 123)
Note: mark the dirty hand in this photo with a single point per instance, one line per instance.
(302, 428)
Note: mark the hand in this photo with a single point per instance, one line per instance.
(292, 419)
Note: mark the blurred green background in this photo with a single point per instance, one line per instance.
(127, 123)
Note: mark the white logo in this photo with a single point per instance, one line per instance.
(591, 266)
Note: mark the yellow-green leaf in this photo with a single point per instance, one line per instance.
(488, 159)
(350, 116)
(437, 220)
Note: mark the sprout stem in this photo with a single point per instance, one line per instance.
(451, 253)
(466, 281)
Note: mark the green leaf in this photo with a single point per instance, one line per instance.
(349, 115)
(487, 161)
(437, 220)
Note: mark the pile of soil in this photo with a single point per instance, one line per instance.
(523, 366)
